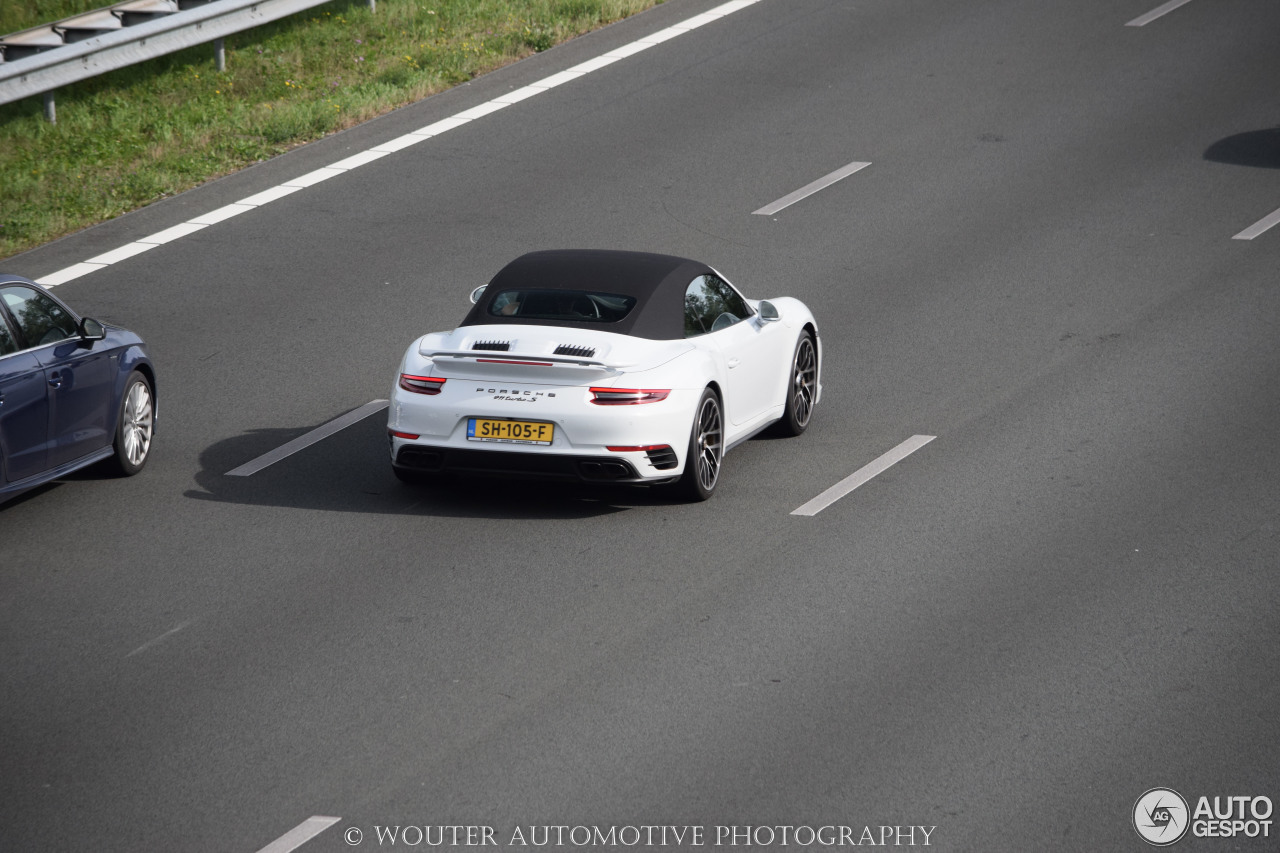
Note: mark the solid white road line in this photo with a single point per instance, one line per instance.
(809, 189)
(863, 474)
(349, 163)
(304, 441)
(127, 251)
(300, 834)
(1269, 221)
(64, 275)
(1157, 12)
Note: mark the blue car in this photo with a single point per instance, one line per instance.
(73, 392)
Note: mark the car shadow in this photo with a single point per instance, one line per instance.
(22, 497)
(103, 470)
(1257, 148)
(350, 471)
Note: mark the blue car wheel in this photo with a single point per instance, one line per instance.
(135, 426)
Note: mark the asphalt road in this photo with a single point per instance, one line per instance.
(1066, 599)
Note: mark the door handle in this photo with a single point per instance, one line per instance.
(55, 380)
(733, 362)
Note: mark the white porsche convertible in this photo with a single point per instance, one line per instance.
(604, 366)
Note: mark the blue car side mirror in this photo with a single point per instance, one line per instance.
(90, 329)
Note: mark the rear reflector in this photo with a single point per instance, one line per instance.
(627, 396)
(409, 435)
(660, 456)
(421, 384)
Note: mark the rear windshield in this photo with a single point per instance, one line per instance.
(577, 306)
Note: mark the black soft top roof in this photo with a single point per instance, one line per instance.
(658, 283)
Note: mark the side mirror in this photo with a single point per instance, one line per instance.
(475, 294)
(90, 329)
(768, 313)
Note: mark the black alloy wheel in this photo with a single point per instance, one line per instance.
(706, 449)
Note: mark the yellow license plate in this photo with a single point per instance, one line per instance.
(514, 432)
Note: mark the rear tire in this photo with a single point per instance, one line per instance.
(706, 450)
(802, 387)
(134, 426)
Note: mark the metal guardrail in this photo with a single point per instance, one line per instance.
(42, 59)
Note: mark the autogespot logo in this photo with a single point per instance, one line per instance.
(1160, 816)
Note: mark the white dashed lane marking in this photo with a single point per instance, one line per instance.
(809, 189)
(160, 639)
(1157, 12)
(863, 474)
(1263, 224)
(304, 441)
(300, 834)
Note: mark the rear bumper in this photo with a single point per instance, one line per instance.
(640, 444)
(432, 459)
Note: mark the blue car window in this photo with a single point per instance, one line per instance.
(7, 343)
(40, 319)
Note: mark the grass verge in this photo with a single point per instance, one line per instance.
(137, 135)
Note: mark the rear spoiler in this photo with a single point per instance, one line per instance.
(500, 357)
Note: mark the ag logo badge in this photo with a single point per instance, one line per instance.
(1161, 817)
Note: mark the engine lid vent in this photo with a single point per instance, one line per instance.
(492, 346)
(580, 352)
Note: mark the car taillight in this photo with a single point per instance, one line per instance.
(421, 384)
(627, 396)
